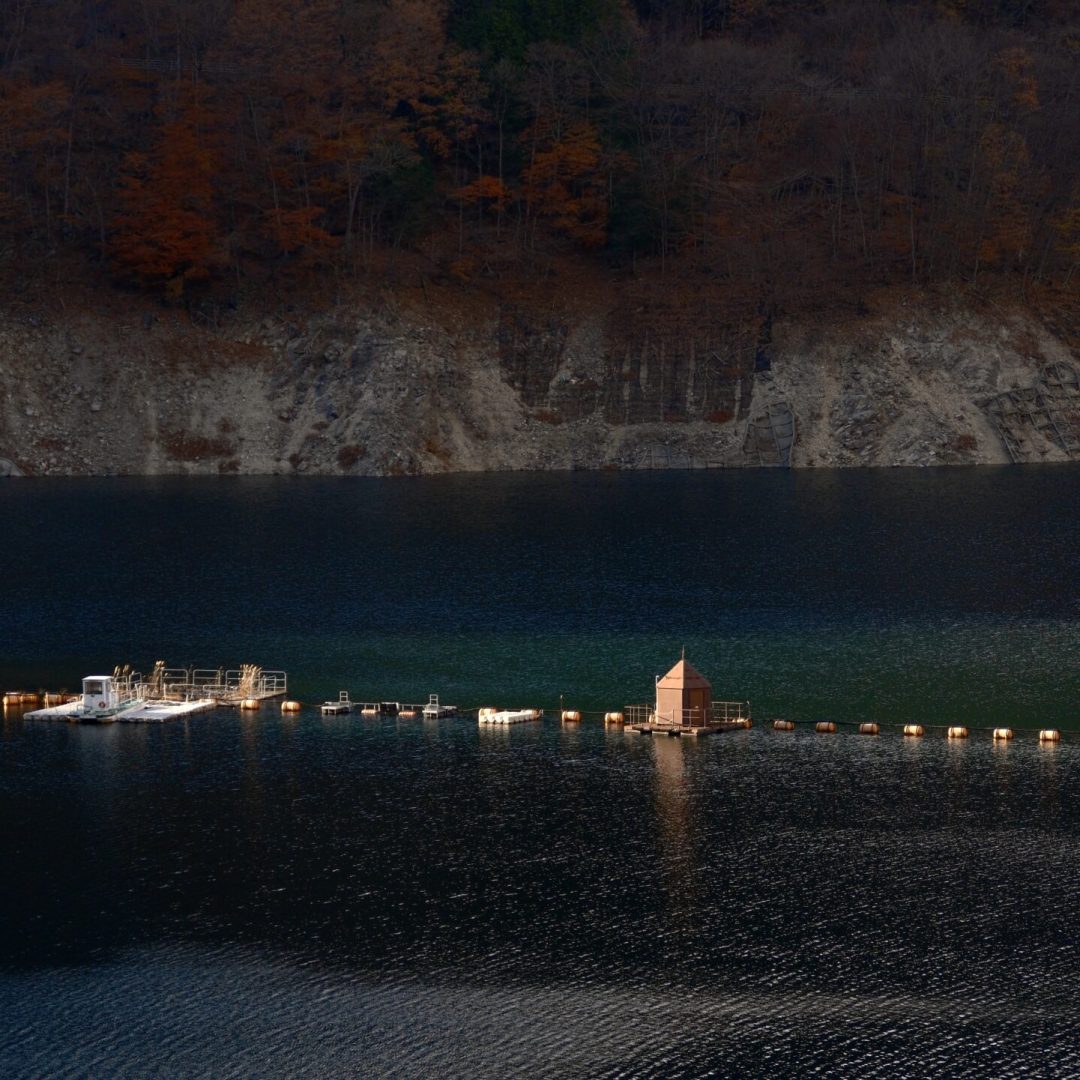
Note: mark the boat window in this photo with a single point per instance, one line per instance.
(92, 688)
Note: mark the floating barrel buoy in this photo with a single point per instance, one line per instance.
(869, 729)
(486, 712)
(958, 733)
(1003, 733)
(571, 716)
(250, 703)
(1049, 735)
(915, 730)
(407, 714)
(783, 725)
(825, 727)
(369, 710)
(613, 718)
(290, 706)
(746, 723)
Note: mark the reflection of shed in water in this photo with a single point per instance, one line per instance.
(684, 706)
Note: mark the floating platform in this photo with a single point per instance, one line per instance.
(337, 708)
(71, 710)
(158, 712)
(677, 731)
(166, 694)
(141, 712)
(506, 717)
(685, 706)
(434, 711)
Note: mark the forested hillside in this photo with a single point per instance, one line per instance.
(779, 150)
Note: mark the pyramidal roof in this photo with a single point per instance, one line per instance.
(682, 676)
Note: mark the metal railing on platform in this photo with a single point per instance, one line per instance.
(719, 712)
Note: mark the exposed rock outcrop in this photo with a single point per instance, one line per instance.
(394, 389)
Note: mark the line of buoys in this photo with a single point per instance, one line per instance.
(21, 697)
(914, 730)
(783, 725)
(869, 729)
(1001, 733)
(250, 703)
(1049, 735)
(407, 714)
(290, 706)
(958, 733)
(614, 718)
(825, 727)
(571, 716)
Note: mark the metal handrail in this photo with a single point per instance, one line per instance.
(719, 712)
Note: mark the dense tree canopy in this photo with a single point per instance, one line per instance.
(776, 145)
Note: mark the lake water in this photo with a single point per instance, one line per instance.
(252, 894)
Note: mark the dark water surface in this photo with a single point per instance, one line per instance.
(253, 895)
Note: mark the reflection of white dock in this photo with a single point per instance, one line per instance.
(337, 708)
(434, 711)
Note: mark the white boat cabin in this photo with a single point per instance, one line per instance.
(100, 692)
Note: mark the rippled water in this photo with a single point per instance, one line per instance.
(256, 894)
(241, 895)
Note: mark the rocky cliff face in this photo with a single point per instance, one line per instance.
(398, 388)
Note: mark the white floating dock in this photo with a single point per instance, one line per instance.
(141, 712)
(504, 717)
(434, 711)
(158, 712)
(337, 708)
(167, 694)
(71, 711)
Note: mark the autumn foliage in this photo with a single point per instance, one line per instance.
(779, 147)
(165, 230)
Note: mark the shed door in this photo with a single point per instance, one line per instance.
(697, 705)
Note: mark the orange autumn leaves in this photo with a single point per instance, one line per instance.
(166, 232)
(277, 140)
(565, 185)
